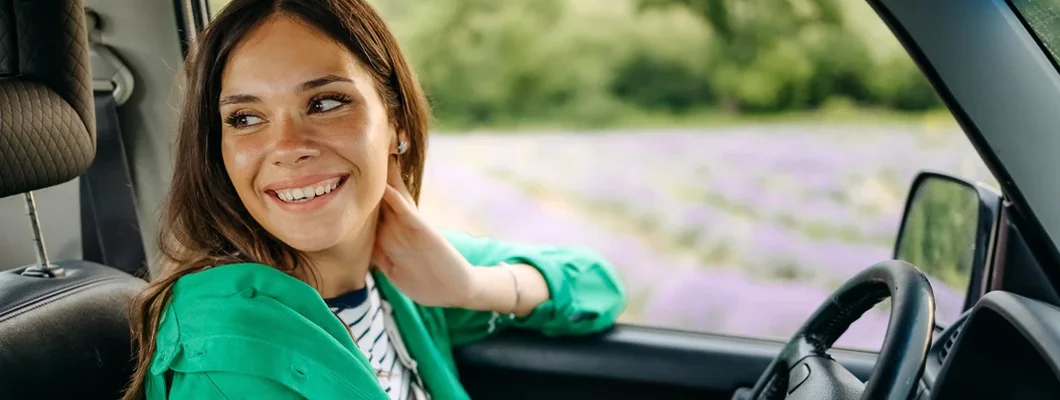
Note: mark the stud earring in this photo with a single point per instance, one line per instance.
(402, 147)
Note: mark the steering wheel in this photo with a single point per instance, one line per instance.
(804, 369)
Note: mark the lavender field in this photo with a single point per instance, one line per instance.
(740, 230)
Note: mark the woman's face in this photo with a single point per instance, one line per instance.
(305, 136)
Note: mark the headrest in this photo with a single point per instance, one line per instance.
(47, 118)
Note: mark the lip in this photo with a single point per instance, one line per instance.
(301, 182)
(313, 204)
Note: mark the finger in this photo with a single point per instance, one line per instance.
(384, 213)
(395, 179)
(389, 216)
(381, 260)
(397, 203)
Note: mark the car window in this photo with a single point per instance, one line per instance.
(734, 167)
(1043, 18)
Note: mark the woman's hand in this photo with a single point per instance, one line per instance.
(428, 269)
(416, 257)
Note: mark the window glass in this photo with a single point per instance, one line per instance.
(736, 164)
(1043, 17)
(214, 6)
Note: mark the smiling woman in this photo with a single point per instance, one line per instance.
(313, 116)
(298, 265)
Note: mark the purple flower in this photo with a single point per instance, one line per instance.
(740, 230)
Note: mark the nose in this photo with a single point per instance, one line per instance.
(294, 144)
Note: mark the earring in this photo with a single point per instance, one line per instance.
(402, 147)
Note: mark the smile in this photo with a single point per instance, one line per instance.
(307, 193)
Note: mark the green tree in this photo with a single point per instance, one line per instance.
(791, 54)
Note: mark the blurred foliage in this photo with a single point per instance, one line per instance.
(600, 62)
(594, 63)
(940, 231)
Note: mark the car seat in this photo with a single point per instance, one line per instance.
(64, 330)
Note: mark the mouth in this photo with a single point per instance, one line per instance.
(311, 193)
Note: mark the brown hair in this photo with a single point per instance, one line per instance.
(203, 221)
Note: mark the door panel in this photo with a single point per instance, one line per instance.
(627, 362)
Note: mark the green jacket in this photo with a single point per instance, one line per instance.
(249, 331)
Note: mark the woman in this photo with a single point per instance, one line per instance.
(298, 266)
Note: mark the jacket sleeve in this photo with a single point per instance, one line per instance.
(223, 385)
(585, 294)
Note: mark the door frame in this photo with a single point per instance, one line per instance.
(1000, 84)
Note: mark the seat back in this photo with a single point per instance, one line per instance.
(63, 335)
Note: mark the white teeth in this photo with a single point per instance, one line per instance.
(309, 192)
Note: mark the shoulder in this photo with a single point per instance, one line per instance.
(249, 319)
(227, 300)
(243, 299)
(223, 296)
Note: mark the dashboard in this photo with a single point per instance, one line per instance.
(1005, 347)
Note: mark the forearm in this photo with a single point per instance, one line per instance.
(496, 289)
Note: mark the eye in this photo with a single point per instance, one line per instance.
(327, 103)
(240, 120)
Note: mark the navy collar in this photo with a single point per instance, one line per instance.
(349, 299)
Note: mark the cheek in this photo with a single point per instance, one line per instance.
(363, 138)
(371, 161)
(367, 149)
(373, 164)
(241, 163)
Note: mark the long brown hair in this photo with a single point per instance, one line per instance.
(203, 222)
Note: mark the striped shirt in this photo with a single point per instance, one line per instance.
(369, 319)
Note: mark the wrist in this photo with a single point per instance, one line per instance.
(491, 289)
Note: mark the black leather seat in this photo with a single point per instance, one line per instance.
(64, 336)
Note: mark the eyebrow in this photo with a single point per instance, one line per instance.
(322, 81)
(305, 86)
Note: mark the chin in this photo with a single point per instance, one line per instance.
(310, 242)
(320, 232)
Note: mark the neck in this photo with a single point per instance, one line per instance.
(343, 268)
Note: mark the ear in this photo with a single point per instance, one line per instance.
(397, 139)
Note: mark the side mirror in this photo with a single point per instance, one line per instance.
(947, 230)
